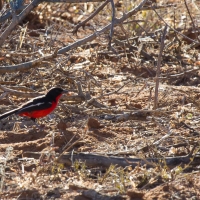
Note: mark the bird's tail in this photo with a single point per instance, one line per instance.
(8, 113)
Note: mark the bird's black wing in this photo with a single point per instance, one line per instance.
(40, 103)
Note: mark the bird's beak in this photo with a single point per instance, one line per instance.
(65, 92)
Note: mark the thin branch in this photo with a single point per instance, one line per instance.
(112, 24)
(75, 30)
(173, 28)
(192, 20)
(162, 44)
(183, 73)
(106, 28)
(18, 18)
(18, 93)
(26, 65)
(31, 64)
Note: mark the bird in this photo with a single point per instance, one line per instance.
(38, 107)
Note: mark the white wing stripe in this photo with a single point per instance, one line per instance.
(33, 105)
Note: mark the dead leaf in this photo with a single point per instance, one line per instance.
(93, 123)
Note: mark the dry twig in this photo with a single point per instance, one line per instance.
(162, 44)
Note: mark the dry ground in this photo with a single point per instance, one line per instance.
(121, 83)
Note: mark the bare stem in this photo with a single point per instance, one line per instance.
(162, 44)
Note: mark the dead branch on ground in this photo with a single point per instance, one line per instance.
(97, 160)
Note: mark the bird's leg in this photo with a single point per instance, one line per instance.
(35, 122)
(16, 126)
(39, 126)
(34, 119)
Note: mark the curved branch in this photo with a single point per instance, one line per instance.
(106, 28)
(75, 30)
(34, 63)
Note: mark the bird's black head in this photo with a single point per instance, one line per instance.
(53, 93)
